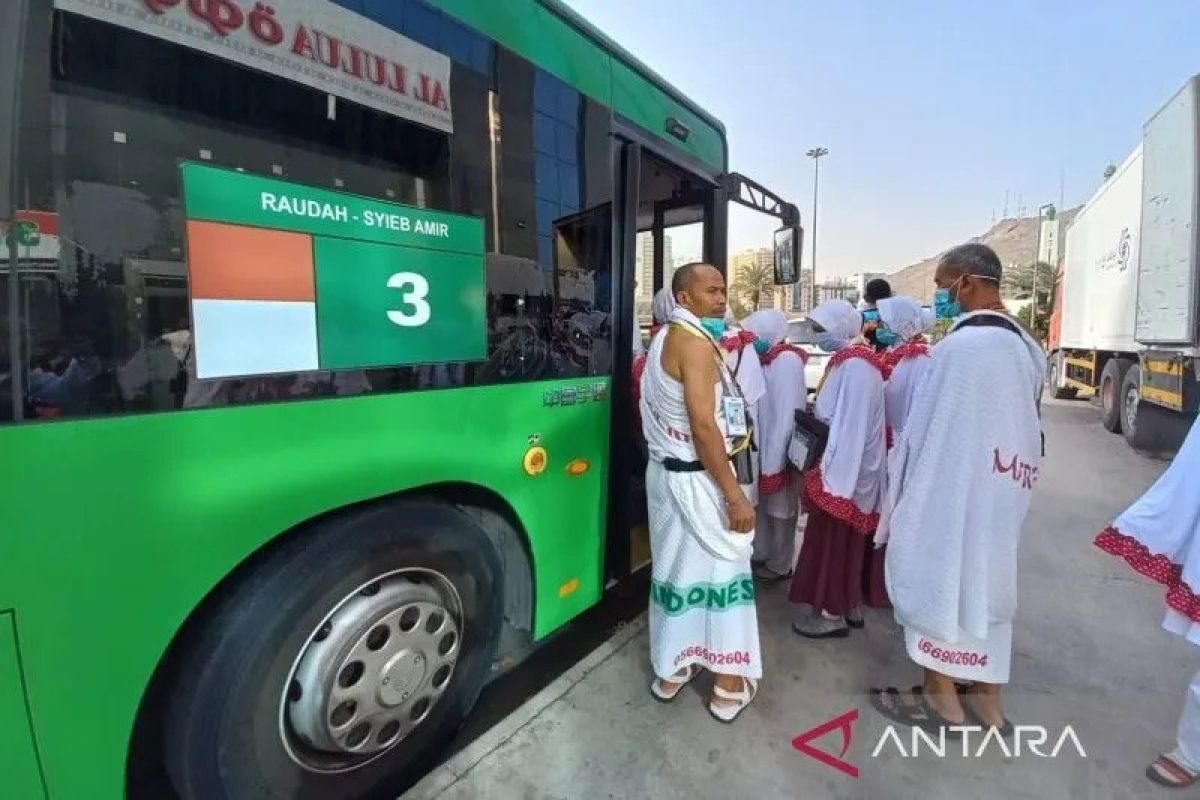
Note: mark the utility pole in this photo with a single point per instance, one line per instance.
(815, 154)
(1037, 260)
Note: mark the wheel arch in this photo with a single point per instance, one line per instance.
(495, 516)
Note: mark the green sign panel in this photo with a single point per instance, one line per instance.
(291, 278)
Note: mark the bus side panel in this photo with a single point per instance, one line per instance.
(21, 776)
(173, 502)
(650, 107)
(540, 36)
(548, 41)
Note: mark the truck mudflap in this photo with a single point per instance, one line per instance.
(1166, 379)
(22, 777)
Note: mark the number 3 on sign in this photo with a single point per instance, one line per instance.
(415, 294)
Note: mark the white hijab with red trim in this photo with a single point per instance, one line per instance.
(783, 371)
(849, 482)
(907, 361)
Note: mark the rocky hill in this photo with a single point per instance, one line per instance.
(1014, 240)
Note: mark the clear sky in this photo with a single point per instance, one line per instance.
(931, 109)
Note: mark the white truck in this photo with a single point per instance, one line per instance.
(1125, 320)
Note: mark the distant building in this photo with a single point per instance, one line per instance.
(840, 289)
(644, 261)
(802, 293)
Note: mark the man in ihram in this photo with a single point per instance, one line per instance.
(696, 424)
(959, 484)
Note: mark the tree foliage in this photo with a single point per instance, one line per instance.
(1019, 283)
(750, 286)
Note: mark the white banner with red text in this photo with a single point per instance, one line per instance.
(313, 42)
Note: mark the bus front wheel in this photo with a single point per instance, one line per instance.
(338, 662)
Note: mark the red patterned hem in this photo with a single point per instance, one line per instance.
(858, 351)
(737, 341)
(781, 348)
(912, 349)
(841, 508)
(1180, 596)
(776, 482)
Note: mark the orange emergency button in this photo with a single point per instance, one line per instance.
(535, 461)
(578, 467)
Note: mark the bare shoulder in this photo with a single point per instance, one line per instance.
(685, 355)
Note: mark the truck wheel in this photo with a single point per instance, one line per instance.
(338, 661)
(1111, 392)
(1146, 427)
(1055, 376)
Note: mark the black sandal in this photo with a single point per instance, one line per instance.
(1005, 730)
(919, 713)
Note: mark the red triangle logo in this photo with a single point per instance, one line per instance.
(845, 724)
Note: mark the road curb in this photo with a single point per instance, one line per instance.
(437, 782)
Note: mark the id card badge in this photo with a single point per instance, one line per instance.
(734, 411)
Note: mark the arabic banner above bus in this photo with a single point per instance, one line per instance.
(313, 42)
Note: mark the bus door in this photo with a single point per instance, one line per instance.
(665, 218)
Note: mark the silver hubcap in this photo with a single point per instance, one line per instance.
(1131, 404)
(372, 671)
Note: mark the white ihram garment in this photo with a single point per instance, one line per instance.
(702, 607)
(961, 477)
(778, 508)
(1159, 536)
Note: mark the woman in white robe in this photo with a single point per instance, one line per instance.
(746, 368)
(843, 493)
(906, 359)
(1159, 536)
(779, 497)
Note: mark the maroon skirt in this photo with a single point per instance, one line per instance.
(839, 568)
(874, 587)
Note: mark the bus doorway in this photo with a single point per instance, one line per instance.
(667, 219)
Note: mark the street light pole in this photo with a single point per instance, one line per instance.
(1037, 260)
(815, 154)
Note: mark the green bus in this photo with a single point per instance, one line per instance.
(316, 322)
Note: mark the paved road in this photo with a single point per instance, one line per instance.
(1089, 654)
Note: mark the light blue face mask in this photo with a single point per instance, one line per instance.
(761, 347)
(886, 337)
(945, 307)
(714, 325)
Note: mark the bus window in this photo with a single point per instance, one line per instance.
(106, 324)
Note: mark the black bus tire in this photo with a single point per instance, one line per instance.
(1111, 392)
(228, 734)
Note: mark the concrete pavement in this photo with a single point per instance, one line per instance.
(1089, 654)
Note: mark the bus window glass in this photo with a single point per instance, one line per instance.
(111, 114)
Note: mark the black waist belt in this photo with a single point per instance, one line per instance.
(679, 465)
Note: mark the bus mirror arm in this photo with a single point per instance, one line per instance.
(750, 193)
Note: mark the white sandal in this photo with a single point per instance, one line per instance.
(728, 713)
(666, 697)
